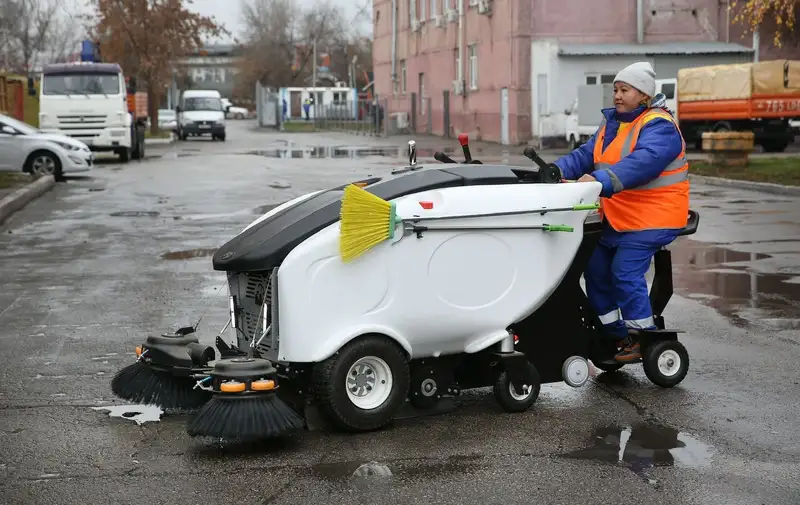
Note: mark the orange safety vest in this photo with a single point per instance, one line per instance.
(662, 202)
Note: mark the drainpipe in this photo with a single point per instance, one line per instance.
(756, 45)
(728, 21)
(639, 22)
(460, 70)
(394, 43)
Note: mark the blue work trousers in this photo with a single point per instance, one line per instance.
(615, 278)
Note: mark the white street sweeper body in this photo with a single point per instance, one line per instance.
(481, 288)
(446, 292)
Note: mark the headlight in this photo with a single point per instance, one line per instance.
(68, 147)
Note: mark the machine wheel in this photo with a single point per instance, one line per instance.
(666, 363)
(125, 155)
(361, 387)
(507, 396)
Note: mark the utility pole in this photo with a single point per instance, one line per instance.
(314, 64)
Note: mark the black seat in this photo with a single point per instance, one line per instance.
(691, 226)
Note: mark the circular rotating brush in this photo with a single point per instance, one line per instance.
(245, 404)
(163, 372)
(141, 383)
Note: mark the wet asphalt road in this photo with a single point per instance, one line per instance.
(92, 267)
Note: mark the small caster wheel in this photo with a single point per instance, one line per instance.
(666, 363)
(518, 401)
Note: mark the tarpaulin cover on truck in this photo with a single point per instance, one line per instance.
(717, 82)
(769, 77)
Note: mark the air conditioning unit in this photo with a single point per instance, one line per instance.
(439, 21)
(415, 25)
(484, 7)
(458, 87)
(451, 15)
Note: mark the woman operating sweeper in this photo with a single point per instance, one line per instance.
(639, 156)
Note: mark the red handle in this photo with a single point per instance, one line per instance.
(463, 139)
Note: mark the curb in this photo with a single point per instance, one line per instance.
(24, 195)
(158, 141)
(764, 187)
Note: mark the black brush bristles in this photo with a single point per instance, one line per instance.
(141, 384)
(251, 417)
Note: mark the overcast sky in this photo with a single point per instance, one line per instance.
(228, 12)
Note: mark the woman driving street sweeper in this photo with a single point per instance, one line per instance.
(639, 156)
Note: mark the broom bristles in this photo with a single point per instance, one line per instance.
(256, 418)
(366, 221)
(139, 383)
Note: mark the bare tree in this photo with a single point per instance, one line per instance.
(33, 32)
(279, 40)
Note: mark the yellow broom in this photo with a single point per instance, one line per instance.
(366, 221)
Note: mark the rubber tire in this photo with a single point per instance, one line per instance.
(58, 172)
(222, 137)
(125, 155)
(650, 363)
(503, 395)
(333, 402)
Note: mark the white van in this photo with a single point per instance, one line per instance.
(200, 112)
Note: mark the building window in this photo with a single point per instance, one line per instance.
(473, 66)
(412, 11)
(339, 97)
(421, 104)
(600, 78)
(458, 63)
(403, 77)
(668, 90)
(434, 8)
(421, 9)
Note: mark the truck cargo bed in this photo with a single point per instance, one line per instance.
(769, 89)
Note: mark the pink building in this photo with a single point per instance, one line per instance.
(495, 68)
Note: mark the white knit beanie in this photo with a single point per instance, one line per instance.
(640, 75)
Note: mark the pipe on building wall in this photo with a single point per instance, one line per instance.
(728, 21)
(460, 70)
(756, 45)
(639, 22)
(394, 43)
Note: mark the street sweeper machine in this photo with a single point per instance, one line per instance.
(385, 298)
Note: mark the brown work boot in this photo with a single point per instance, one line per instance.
(630, 352)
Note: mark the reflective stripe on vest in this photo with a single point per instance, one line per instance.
(660, 203)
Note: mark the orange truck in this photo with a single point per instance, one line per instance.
(762, 97)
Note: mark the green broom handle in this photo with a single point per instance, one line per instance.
(544, 227)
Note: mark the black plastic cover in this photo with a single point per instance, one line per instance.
(265, 245)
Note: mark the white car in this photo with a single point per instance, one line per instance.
(167, 120)
(24, 148)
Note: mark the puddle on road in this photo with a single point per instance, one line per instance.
(724, 279)
(135, 213)
(643, 446)
(258, 211)
(140, 414)
(358, 471)
(189, 254)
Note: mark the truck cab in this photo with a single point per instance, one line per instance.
(201, 112)
(669, 87)
(88, 101)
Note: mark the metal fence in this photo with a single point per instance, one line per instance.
(362, 117)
